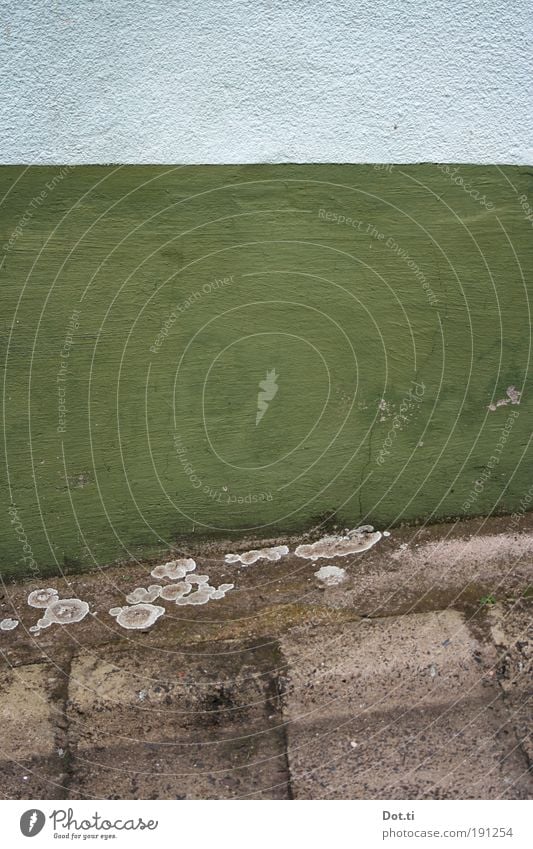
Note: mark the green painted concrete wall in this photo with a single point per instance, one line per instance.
(142, 307)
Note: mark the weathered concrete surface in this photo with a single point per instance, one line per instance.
(405, 707)
(176, 724)
(32, 750)
(411, 679)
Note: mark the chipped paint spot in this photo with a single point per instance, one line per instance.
(8, 624)
(513, 397)
(147, 595)
(351, 542)
(385, 409)
(331, 576)
(138, 617)
(174, 569)
(78, 481)
(249, 557)
(42, 598)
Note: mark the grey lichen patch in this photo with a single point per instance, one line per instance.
(175, 591)
(40, 625)
(8, 624)
(64, 611)
(201, 596)
(138, 617)
(513, 397)
(205, 593)
(249, 557)
(61, 611)
(42, 598)
(174, 570)
(351, 542)
(221, 591)
(180, 593)
(197, 579)
(330, 576)
(141, 594)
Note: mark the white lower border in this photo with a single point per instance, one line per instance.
(247, 824)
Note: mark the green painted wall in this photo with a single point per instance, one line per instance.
(142, 306)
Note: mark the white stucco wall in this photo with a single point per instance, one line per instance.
(266, 81)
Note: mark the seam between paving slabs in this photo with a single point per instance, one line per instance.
(60, 697)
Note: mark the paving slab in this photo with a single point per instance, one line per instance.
(177, 724)
(401, 707)
(32, 759)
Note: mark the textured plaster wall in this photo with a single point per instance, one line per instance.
(229, 81)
